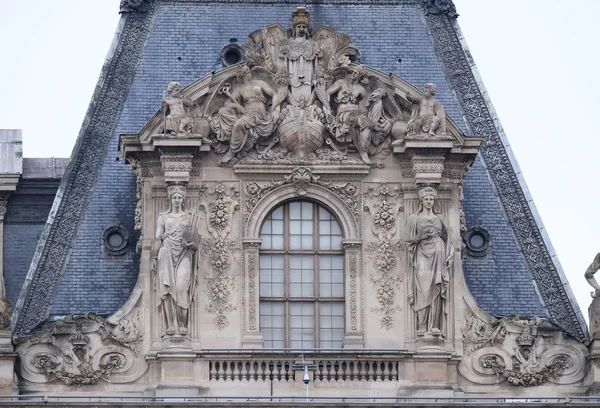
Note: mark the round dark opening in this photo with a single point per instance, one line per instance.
(231, 56)
(115, 240)
(477, 241)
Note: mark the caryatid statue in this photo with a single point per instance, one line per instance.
(174, 262)
(428, 116)
(300, 52)
(431, 254)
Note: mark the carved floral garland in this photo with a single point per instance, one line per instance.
(220, 285)
(383, 251)
(301, 178)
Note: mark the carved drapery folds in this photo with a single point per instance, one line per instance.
(219, 207)
(384, 202)
(524, 352)
(431, 255)
(83, 350)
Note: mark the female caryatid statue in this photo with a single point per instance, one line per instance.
(431, 256)
(174, 262)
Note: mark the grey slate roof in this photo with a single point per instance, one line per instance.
(181, 41)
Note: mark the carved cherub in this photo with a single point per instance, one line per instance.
(178, 119)
(589, 276)
(428, 116)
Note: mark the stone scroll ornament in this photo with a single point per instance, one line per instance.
(524, 351)
(81, 350)
(430, 255)
(175, 261)
(297, 99)
(219, 209)
(384, 202)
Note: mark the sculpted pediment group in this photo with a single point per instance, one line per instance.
(300, 97)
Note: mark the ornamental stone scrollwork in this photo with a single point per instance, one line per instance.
(252, 290)
(219, 210)
(444, 7)
(523, 352)
(81, 350)
(384, 202)
(301, 178)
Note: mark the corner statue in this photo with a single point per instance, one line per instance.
(589, 276)
(428, 116)
(174, 262)
(431, 255)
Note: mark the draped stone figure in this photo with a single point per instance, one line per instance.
(175, 262)
(431, 255)
(300, 52)
(245, 119)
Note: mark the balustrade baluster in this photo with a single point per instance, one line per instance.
(386, 370)
(235, 371)
(244, 372)
(378, 370)
(371, 372)
(221, 371)
(213, 370)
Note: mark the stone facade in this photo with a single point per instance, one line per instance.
(299, 121)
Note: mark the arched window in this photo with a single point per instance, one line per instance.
(301, 278)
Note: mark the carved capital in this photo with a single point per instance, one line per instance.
(352, 244)
(251, 242)
(176, 167)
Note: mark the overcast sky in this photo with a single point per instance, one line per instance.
(539, 60)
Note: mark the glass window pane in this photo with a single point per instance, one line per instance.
(301, 275)
(271, 276)
(277, 227)
(331, 325)
(295, 210)
(307, 208)
(277, 242)
(277, 214)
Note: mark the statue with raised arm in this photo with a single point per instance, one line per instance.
(431, 255)
(178, 119)
(428, 115)
(589, 276)
(245, 119)
(174, 262)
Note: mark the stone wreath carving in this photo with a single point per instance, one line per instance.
(384, 202)
(81, 349)
(524, 352)
(301, 178)
(220, 285)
